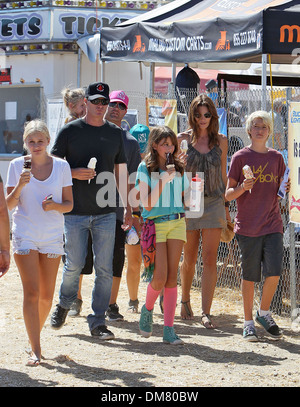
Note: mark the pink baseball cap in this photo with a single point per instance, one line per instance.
(119, 96)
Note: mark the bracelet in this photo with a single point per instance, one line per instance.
(242, 184)
(136, 214)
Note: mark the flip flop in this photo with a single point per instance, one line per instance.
(188, 310)
(33, 360)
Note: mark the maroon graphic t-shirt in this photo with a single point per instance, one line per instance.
(258, 212)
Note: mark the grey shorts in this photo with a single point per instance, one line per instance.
(261, 255)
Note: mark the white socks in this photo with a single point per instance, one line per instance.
(263, 313)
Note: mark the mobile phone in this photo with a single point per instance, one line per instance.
(48, 197)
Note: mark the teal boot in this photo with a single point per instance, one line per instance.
(146, 322)
(171, 337)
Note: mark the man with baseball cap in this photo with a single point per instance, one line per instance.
(97, 91)
(78, 142)
(116, 111)
(119, 96)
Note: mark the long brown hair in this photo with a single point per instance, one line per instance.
(213, 128)
(151, 158)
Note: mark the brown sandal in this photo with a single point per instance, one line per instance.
(206, 321)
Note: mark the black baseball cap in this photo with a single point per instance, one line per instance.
(97, 90)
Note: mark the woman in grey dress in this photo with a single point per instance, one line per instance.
(207, 153)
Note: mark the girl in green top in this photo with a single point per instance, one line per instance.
(164, 233)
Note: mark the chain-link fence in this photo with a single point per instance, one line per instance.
(238, 104)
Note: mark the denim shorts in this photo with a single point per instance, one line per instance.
(261, 255)
(23, 246)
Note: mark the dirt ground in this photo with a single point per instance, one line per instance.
(209, 358)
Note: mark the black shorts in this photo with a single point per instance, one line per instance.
(261, 255)
(119, 250)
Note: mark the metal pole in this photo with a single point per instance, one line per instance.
(173, 77)
(152, 76)
(102, 71)
(78, 67)
(264, 81)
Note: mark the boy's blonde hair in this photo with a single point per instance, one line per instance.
(259, 114)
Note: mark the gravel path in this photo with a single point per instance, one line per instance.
(213, 358)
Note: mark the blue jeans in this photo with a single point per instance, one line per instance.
(77, 229)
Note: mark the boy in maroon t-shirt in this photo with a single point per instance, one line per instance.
(258, 224)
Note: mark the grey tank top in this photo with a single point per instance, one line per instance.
(210, 165)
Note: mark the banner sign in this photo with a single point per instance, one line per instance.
(294, 160)
(59, 24)
(161, 112)
(5, 75)
(214, 40)
(281, 32)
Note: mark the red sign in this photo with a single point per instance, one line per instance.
(5, 75)
(295, 203)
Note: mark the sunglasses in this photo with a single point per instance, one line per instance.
(206, 115)
(99, 101)
(121, 106)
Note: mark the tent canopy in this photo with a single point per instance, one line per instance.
(256, 80)
(187, 31)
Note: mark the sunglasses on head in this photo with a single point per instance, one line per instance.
(99, 101)
(206, 115)
(121, 106)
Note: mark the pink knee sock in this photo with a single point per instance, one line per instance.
(151, 297)
(170, 299)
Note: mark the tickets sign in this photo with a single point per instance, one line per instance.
(58, 24)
